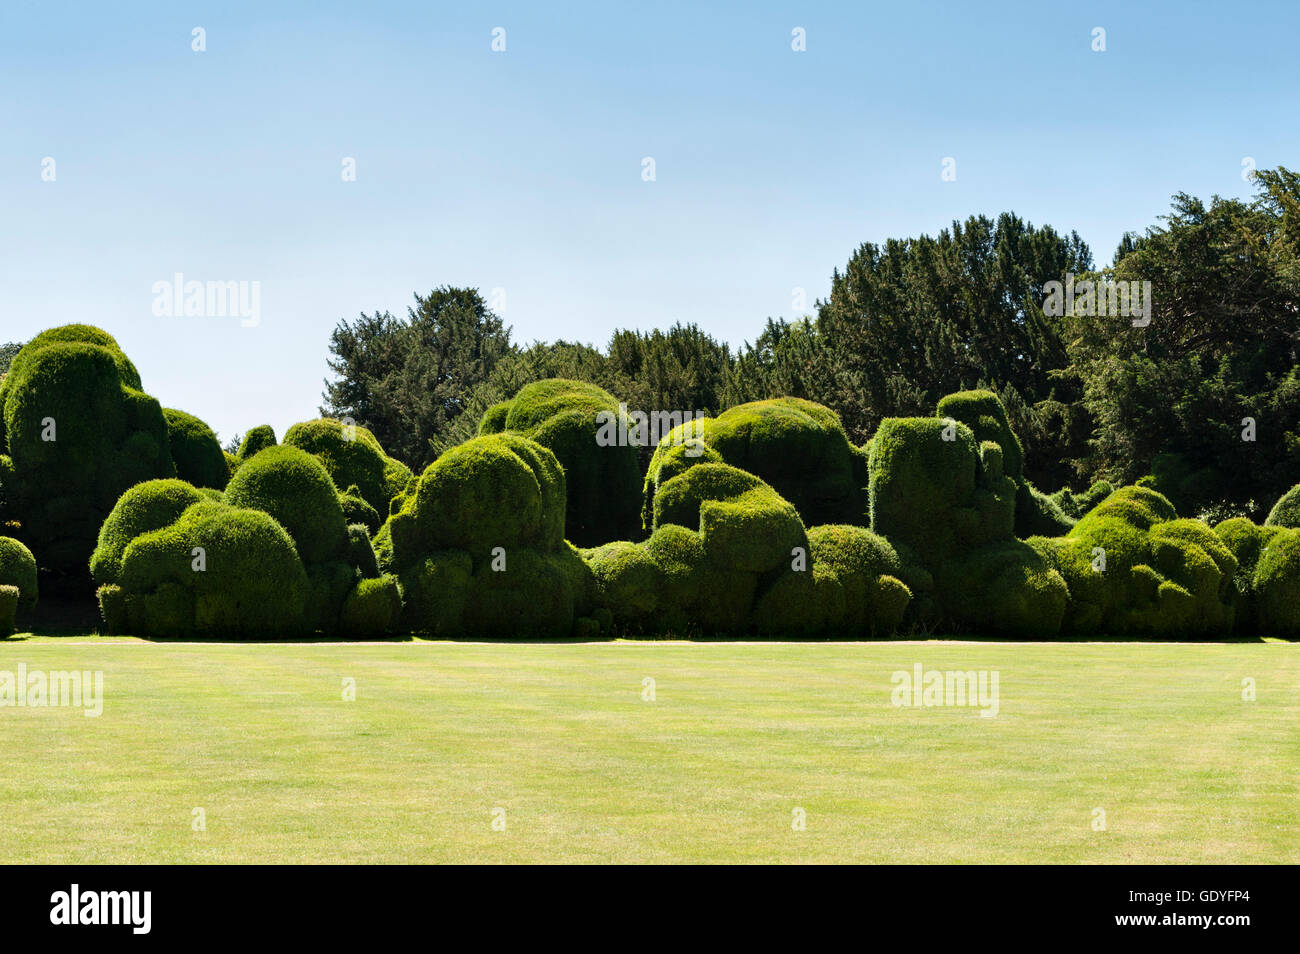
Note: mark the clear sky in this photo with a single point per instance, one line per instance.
(522, 170)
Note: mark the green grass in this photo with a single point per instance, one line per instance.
(739, 736)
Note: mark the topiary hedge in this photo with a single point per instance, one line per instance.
(353, 458)
(1036, 513)
(9, 597)
(196, 451)
(1268, 576)
(478, 544)
(18, 569)
(1134, 569)
(174, 560)
(257, 439)
(294, 488)
(147, 506)
(798, 447)
(78, 431)
(217, 571)
(1286, 512)
(587, 431)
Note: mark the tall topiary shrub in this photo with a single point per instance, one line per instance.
(478, 545)
(796, 446)
(78, 430)
(18, 569)
(584, 427)
(353, 458)
(195, 451)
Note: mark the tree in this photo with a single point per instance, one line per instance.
(1222, 346)
(915, 319)
(409, 380)
(7, 352)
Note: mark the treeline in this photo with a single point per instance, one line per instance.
(1203, 395)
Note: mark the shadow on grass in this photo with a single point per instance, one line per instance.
(80, 619)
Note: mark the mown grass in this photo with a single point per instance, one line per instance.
(739, 735)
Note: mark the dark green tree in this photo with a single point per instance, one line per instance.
(915, 319)
(409, 380)
(1223, 344)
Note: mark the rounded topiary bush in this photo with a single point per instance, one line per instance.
(922, 486)
(497, 490)
(372, 609)
(257, 439)
(196, 451)
(627, 578)
(216, 570)
(744, 524)
(797, 447)
(9, 597)
(849, 590)
(478, 544)
(1005, 588)
(587, 431)
(78, 431)
(356, 510)
(18, 569)
(147, 506)
(1286, 512)
(1134, 569)
(294, 488)
(721, 560)
(353, 458)
(984, 413)
(1276, 585)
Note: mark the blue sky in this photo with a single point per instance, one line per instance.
(522, 169)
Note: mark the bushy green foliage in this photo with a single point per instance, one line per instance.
(1005, 588)
(356, 510)
(580, 424)
(1170, 398)
(147, 506)
(494, 418)
(984, 414)
(78, 431)
(1268, 576)
(8, 609)
(745, 524)
(1276, 586)
(1074, 506)
(478, 544)
(858, 570)
(18, 569)
(1286, 512)
(353, 458)
(1039, 514)
(498, 490)
(217, 570)
(922, 489)
(1134, 569)
(196, 451)
(372, 609)
(361, 552)
(796, 446)
(1036, 514)
(257, 439)
(294, 488)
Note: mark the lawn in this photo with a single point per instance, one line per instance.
(738, 737)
